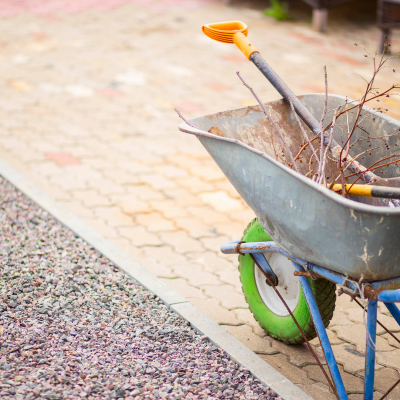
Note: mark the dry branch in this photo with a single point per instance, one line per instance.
(321, 174)
(277, 130)
(305, 146)
(321, 121)
(304, 132)
(366, 101)
(181, 116)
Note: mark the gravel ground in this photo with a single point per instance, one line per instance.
(72, 325)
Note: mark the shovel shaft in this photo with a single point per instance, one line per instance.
(285, 92)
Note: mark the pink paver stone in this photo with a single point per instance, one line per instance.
(234, 58)
(187, 107)
(40, 35)
(109, 92)
(307, 39)
(342, 58)
(218, 87)
(62, 159)
(311, 88)
(47, 7)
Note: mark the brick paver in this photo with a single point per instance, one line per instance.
(88, 91)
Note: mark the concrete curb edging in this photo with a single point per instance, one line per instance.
(197, 319)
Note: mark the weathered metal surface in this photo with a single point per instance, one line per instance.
(388, 284)
(302, 273)
(310, 222)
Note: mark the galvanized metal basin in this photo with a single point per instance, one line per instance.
(307, 220)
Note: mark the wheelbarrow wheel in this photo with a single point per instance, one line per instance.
(267, 308)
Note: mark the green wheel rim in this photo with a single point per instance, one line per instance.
(283, 327)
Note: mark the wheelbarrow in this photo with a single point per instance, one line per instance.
(307, 240)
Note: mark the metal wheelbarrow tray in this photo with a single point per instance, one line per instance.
(307, 220)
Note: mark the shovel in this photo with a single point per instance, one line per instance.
(236, 32)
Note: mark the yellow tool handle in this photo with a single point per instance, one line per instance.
(370, 191)
(356, 190)
(244, 44)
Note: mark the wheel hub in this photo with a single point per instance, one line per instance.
(288, 285)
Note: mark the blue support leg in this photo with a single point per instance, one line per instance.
(319, 325)
(394, 311)
(370, 356)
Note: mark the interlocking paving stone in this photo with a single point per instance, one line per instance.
(352, 360)
(183, 288)
(229, 298)
(358, 316)
(281, 363)
(298, 355)
(389, 359)
(352, 383)
(319, 391)
(216, 312)
(356, 334)
(195, 275)
(245, 334)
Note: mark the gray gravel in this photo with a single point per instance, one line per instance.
(74, 326)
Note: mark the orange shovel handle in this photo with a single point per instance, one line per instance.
(231, 32)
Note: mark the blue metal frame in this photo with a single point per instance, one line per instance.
(264, 265)
(370, 354)
(388, 295)
(384, 291)
(319, 325)
(394, 311)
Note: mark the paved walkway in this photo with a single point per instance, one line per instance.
(87, 114)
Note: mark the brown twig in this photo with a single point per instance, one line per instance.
(321, 152)
(366, 101)
(309, 167)
(373, 138)
(377, 167)
(181, 116)
(362, 102)
(369, 168)
(350, 162)
(304, 146)
(345, 148)
(322, 178)
(271, 120)
(304, 132)
(346, 154)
